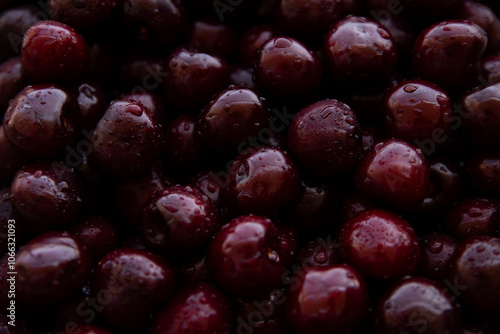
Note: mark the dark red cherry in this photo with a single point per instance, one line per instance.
(151, 101)
(12, 81)
(53, 52)
(252, 39)
(436, 252)
(47, 196)
(84, 16)
(445, 187)
(484, 17)
(332, 299)
(42, 120)
(484, 172)
(129, 285)
(184, 149)
(482, 118)
(359, 51)
(198, 308)
(286, 68)
(475, 273)
(308, 18)
(179, 219)
(212, 37)
(443, 47)
(131, 194)
(417, 305)
(490, 68)
(394, 171)
(380, 244)
(416, 111)
(128, 139)
(12, 158)
(262, 181)
(232, 118)
(97, 234)
(474, 216)
(92, 101)
(154, 23)
(193, 78)
(315, 208)
(213, 188)
(249, 255)
(326, 138)
(49, 268)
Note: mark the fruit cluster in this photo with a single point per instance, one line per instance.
(237, 166)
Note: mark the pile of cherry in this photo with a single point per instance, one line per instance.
(271, 166)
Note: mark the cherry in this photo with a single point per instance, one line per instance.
(53, 52)
(12, 81)
(249, 255)
(380, 244)
(326, 138)
(332, 299)
(128, 285)
(97, 235)
(198, 308)
(471, 217)
(436, 252)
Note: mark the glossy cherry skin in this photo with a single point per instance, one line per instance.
(252, 39)
(128, 139)
(445, 187)
(49, 268)
(413, 303)
(472, 217)
(249, 255)
(484, 173)
(198, 308)
(262, 181)
(41, 120)
(150, 100)
(322, 252)
(92, 101)
(12, 81)
(232, 118)
(394, 171)
(213, 38)
(131, 194)
(53, 52)
(475, 270)
(179, 219)
(436, 252)
(154, 23)
(285, 68)
(415, 110)
(13, 24)
(193, 78)
(97, 234)
(12, 159)
(442, 48)
(266, 315)
(325, 137)
(47, 196)
(315, 208)
(84, 16)
(482, 117)
(332, 299)
(308, 18)
(184, 148)
(484, 17)
(359, 51)
(380, 244)
(129, 285)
